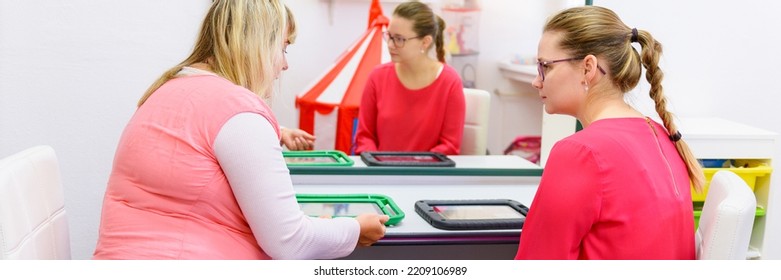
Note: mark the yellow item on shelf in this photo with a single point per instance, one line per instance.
(452, 44)
(748, 174)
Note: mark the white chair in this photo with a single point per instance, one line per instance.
(478, 106)
(33, 224)
(727, 219)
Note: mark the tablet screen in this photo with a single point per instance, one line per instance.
(477, 212)
(309, 159)
(407, 158)
(339, 209)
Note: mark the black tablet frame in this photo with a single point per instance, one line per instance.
(425, 208)
(371, 159)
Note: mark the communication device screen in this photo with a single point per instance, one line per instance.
(309, 159)
(339, 209)
(477, 212)
(406, 158)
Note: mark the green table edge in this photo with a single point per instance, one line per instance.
(407, 171)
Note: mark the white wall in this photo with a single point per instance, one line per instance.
(70, 74)
(720, 58)
(72, 71)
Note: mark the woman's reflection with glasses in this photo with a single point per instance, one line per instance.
(396, 39)
(416, 101)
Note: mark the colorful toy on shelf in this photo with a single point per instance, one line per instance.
(453, 47)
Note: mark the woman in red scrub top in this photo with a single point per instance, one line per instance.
(619, 188)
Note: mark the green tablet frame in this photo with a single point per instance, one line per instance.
(383, 202)
(318, 158)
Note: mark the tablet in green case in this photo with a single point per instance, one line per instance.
(317, 158)
(350, 205)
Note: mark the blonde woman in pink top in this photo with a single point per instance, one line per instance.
(199, 173)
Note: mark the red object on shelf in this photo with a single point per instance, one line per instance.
(527, 147)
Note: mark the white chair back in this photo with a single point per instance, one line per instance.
(478, 106)
(33, 224)
(727, 219)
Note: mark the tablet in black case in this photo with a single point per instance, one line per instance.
(420, 159)
(472, 214)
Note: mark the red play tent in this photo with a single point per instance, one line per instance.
(329, 108)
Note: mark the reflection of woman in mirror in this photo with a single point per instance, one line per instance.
(416, 102)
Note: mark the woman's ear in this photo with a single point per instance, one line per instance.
(427, 41)
(590, 69)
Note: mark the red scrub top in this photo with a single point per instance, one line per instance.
(615, 190)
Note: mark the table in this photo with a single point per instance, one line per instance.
(474, 177)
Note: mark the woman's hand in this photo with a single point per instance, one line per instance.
(372, 228)
(296, 139)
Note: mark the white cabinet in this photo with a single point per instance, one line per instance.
(554, 127)
(517, 72)
(516, 108)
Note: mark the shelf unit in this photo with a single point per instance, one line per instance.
(716, 138)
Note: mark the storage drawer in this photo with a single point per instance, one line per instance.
(748, 174)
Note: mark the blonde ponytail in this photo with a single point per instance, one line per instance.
(651, 51)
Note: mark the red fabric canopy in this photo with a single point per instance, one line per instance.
(342, 85)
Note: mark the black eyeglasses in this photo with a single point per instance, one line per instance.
(398, 41)
(542, 64)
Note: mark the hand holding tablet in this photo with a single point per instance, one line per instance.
(372, 228)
